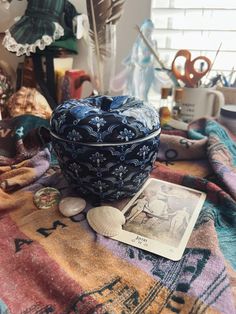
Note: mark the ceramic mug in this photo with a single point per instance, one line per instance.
(200, 102)
(228, 117)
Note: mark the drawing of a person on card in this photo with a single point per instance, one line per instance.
(156, 208)
(140, 205)
(180, 221)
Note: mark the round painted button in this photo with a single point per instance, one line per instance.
(70, 206)
(47, 198)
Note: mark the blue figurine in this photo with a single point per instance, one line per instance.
(140, 74)
(140, 64)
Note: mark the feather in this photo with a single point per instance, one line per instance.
(101, 14)
(117, 9)
(98, 13)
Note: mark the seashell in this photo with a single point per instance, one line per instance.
(28, 101)
(106, 220)
(70, 206)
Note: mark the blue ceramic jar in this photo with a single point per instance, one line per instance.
(106, 146)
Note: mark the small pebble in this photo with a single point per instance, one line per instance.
(70, 206)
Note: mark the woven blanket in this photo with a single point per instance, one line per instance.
(53, 264)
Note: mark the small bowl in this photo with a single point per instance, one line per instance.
(228, 117)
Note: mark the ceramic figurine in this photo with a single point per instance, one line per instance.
(140, 63)
(140, 74)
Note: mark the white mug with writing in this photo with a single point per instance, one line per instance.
(200, 102)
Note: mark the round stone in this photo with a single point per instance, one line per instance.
(70, 206)
(46, 198)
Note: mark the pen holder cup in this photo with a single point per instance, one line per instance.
(201, 102)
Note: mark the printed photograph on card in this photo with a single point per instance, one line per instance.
(161, 217)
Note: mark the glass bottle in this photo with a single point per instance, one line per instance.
(164, 96)
(176, 110)
(164, 110)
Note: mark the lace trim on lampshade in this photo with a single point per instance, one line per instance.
(21, 49)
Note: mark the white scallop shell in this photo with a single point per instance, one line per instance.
(106, 220)
(70, 206)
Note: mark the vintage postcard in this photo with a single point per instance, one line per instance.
(160, 218)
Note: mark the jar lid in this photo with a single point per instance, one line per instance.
(228, 111)
(104, 119)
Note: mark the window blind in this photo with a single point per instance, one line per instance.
(202, 27)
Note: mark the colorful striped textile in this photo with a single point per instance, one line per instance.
(54, 264)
